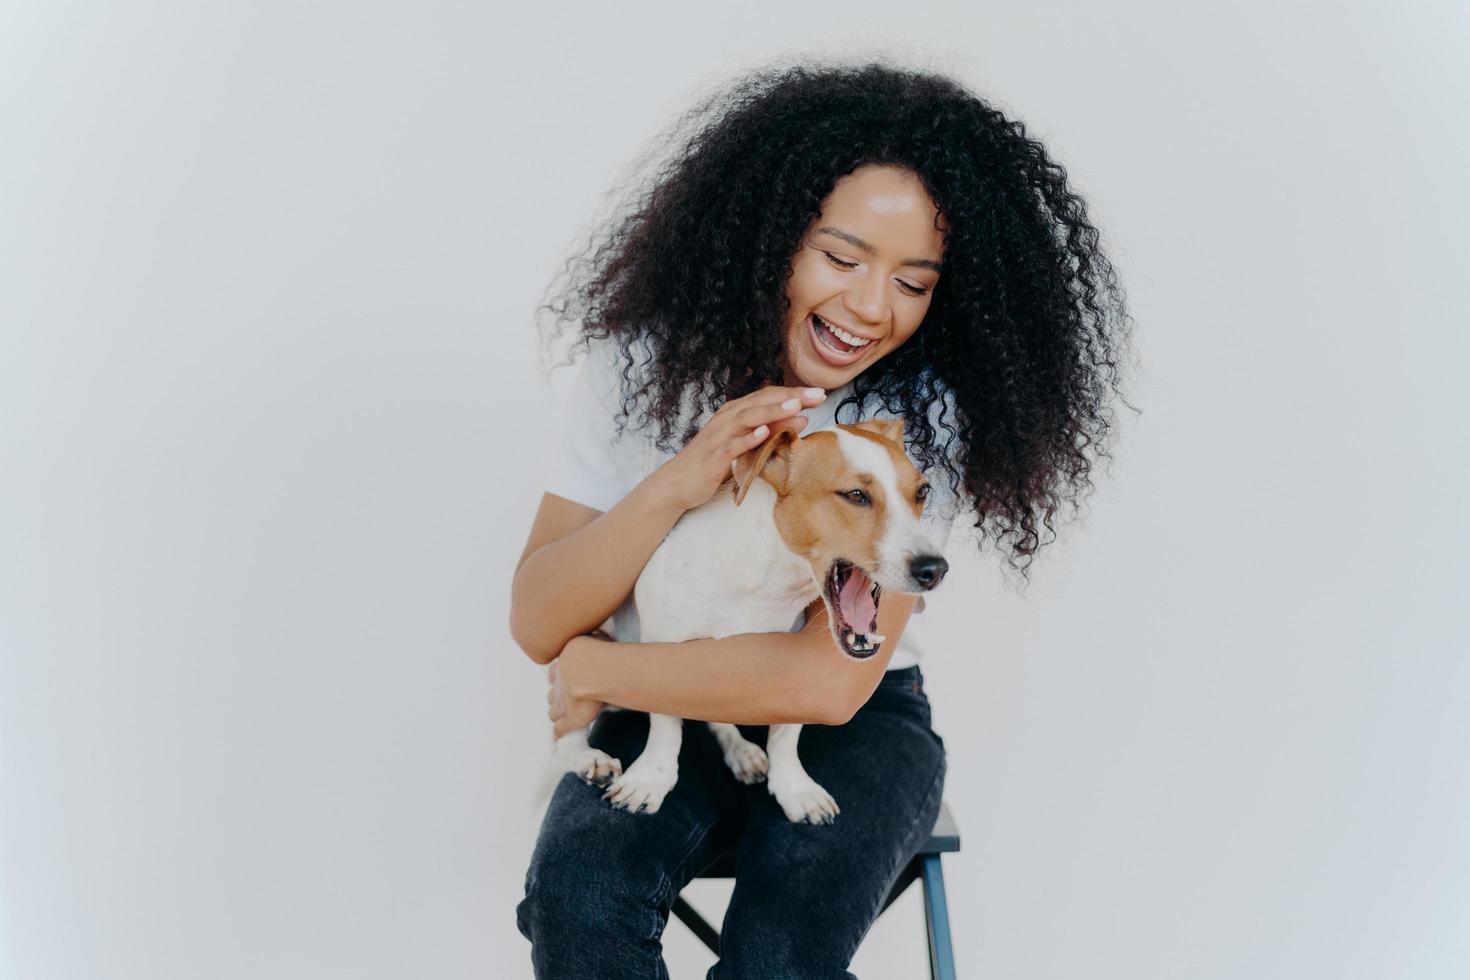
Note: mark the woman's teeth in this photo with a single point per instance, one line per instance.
(842, 335)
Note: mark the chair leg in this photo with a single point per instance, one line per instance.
(936, 917)
(706, 933)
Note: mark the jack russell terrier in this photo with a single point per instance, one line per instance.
(834, 514)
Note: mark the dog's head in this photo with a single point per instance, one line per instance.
(848, 500)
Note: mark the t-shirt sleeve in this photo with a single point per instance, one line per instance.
(588, 466)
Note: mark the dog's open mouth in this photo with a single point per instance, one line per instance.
(852, 606)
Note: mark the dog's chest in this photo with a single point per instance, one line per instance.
(723, 570)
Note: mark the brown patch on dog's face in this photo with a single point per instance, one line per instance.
(836, 510)
(813, 517)
(829, 507)
(888, 433)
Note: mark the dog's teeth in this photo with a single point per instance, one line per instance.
(876, 638)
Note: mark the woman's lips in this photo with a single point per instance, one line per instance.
(829, 354)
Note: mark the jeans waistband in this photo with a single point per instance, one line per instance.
(905, 678)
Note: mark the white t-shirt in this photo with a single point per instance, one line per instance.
(597, 468)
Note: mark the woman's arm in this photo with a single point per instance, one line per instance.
(579, 563)
(748, 679)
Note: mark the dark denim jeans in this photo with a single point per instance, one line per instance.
(601, 880)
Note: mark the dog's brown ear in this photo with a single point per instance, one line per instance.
(890, 429)
(771, 459)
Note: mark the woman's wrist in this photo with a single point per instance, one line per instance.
(576, 663)
(663, 486)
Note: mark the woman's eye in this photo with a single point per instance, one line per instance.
(909, 288)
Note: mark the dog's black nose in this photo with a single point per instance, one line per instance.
(927, 570)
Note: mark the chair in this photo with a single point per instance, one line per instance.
(943, 838)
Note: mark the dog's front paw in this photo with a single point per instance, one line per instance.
(642, 787)
(596, 767)
(802, 800)
(747, 761)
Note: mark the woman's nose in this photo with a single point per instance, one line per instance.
(868, 300)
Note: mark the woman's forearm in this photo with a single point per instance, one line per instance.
(571, 585)
(748, 679)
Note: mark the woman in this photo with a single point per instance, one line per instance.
(874, 234)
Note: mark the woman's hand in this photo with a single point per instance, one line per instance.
(567, 712)
(736, 427)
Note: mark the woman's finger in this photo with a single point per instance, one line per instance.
(763, 432)
(750, 425)
(775, 394)
(741, 445)
(754, 415)
(739, 417)
(772, 395)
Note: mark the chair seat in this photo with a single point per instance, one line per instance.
(945, 837)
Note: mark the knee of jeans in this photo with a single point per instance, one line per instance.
(574, 894)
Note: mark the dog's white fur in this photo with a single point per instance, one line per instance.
(724, 569)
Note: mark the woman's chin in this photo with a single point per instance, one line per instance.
(812, 371)
(808, 375)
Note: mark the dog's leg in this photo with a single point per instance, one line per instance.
(745, 759)
(651, 776)
(594, 766)
(800, 797)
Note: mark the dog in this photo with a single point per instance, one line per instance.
(833, 514)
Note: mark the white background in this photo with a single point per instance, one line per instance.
(271, 433)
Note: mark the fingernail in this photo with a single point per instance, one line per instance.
(791, 403)
(760, 431)
(815, 393)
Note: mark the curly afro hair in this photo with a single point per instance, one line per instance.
(1025, 328)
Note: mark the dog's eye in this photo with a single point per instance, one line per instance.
(922, 494)
(856, 496)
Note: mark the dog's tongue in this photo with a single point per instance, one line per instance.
(855, 601)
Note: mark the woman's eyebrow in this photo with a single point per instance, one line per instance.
(855, 240)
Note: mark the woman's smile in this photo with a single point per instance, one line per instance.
(839, 349)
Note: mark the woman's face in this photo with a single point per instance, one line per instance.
(867, 266)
